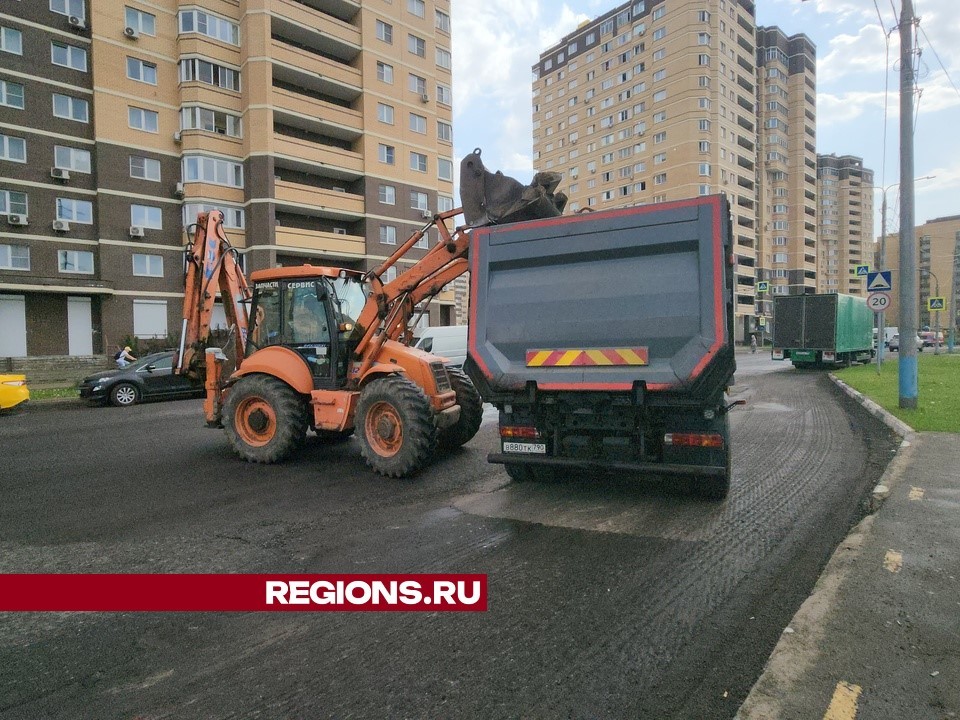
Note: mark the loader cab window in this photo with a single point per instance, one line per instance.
(265, 317)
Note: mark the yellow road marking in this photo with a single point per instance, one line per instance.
(568, 357)
(843, 705)
(916, 493)
(893, 561)
(598, 357)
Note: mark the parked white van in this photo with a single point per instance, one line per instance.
(448, 341)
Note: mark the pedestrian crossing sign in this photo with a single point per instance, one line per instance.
(763, 286)
(936, 303)
(863, 270)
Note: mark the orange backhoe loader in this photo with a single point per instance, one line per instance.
(328, 349)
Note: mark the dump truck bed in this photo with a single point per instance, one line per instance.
(604, 301)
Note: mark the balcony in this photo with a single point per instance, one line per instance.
(300, 24)
(306, 69)
(311, 157)
(351, 246)
(345, 10)
(292, 196)
(309, 113)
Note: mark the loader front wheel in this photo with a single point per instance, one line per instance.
(397, 432)
(264, 418)
(471, 412)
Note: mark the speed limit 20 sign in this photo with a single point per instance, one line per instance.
(878, 301)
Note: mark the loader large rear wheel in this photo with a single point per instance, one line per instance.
(395, 427)
(471, 411)
(264, 419)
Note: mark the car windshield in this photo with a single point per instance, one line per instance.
(156, 359)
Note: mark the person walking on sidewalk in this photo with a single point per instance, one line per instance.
(753, 344)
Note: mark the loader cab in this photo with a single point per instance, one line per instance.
(315, 316)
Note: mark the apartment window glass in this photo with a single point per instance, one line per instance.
(198, 21)
(418, 123)
(442, 21)
(11, 94)
(13, 203)
(146, 216)
(443, 58)
(418, 162)
(11, 41)
(659, 33)
(444, 203)
(659, 158)
(233, 217)
(71, 108)
(142, 22)
(388, 195)
(73, 159)
(444, 131)
(75, 261)
(418, 200)
(385, 113)
(417, 84)
(13, 148)
(144, 168)
(659, 138)
(386, 154)
(417, 45)
(69, 56)
(201, 168)
(195, 69)
(147, 265)
(384, 31)
(150, 318)
(658, 12)
(388, 234)
(660, 179)
(141, 71)
(417, 7)
(14, 257)
(779, 257)
(444, 95)
(704, 125)
(141, 119)
(660, 95)
(385, 72)
(68, 7)
(445, 169)
(215, 121)
(705, 169)
(78, 211)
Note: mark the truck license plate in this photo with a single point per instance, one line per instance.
(516, 447)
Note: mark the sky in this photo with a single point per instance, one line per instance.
(496, 43)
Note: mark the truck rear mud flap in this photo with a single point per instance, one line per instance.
(650, 467)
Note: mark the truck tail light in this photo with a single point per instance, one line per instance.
(711, 440)
(778, 353)
(514, 431)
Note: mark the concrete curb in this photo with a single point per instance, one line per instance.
(802, 639)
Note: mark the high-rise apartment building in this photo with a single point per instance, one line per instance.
(322, 129)
(787, 217)
(658, 100)
(845, 190)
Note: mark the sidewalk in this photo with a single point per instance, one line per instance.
(879, 638)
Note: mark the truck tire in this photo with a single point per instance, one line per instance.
(264, 418)
(717, 488)
(471, 412)
(396, 428)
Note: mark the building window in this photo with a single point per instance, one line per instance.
(386, 153)
(11, 41)
(147, 265)
(419, 200)
(388, 195)
(198, 168)
(704, 169)
(417, 45)
(75, 261)
(141, 119)
(660, 179)
(78, 211)
(144, 168)
(150, 318)
(442, 21)
(384, 32)
(68, 7)
(384, 72)
(445, 169)
(13, 148)
(444, 131)
(11, 94)
(72, 159)
(704, 189)
(779, 257)
(388, 235)
(443, 58)
(780, 208)
(215, 121)
(13, 203)
(204, 23)
(659, 33)
(143, 22)
(417, 84)
(71, 108)
(195, 69)
(780, 225)
(444, 203)
(141, 71)
(660, 137)
(418, 162)
(704, 146)
(703, 60)
(418, 123)
(146, 216)
(444, 95)
(69, 56)
(232, 216)
(659, 158)
(14, 257)
(703, 125)
(385, 113)
(417, 7)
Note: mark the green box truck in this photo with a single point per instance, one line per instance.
(822, 330)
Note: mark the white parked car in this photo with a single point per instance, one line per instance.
(895, 343)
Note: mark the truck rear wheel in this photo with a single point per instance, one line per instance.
(718, 487)
(264, 419)
(397, 432)
(471, 411)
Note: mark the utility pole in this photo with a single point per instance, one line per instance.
(954, 292)
(908, 380)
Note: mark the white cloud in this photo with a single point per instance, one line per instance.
(864, 52)
(836, 108)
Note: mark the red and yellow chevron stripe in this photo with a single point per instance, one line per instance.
(594, 357)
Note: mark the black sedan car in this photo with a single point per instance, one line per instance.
(149, 378)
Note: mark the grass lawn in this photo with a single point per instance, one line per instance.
(50, 393)
(938, 399)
